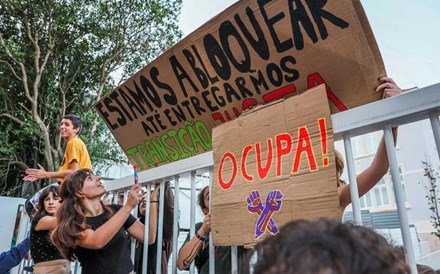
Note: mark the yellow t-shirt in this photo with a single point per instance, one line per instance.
(75, 150)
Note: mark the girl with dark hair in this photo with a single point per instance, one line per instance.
(46, 257)
(98, 235)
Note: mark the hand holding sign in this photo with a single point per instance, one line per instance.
(206, 226)
(388, 87)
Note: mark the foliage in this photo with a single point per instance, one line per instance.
(59, 57)
(433, 196)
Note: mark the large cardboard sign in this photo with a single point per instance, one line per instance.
(252, 53)
(271, 166)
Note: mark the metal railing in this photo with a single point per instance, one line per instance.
(382, 115)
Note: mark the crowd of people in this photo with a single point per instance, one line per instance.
(72, 222)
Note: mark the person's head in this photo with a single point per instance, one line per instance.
(401, 253)
(49, 200)
(339, 163)
(142, 206)
(78, 190)
(120, 199)
(203, 199)
(326, 246)
(71, 126)
(82, 185)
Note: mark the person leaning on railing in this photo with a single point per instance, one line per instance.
(167, 234)
(197, 248)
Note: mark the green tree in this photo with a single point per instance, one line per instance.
(59, 57)
(433, 196)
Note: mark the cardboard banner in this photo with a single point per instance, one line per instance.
(253, 53)
(273, 165)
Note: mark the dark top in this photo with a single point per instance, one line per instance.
(42, 248)
(222, 256)
(167, 238)
(114, 257)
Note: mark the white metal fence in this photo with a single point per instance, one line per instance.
(194, 172)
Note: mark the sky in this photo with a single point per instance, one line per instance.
(407, 32)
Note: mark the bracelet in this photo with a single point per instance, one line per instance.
(200, 237)
(154, 202)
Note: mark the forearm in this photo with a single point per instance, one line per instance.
(368, 178)
(188, 253)
(101, 236)
(152, 223)
(168, 215)
(58, 174)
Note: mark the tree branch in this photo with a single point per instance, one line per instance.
(13, 118)
(21, 65)
(12, 69)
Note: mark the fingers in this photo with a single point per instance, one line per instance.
(136, 191)
(31, 171)
(40, 167)
(30, 178)
(207, 223)
(388, 87)
(384, 79)
(135, 195)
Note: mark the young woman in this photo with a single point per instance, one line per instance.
(46, 257)
(369, 177)
(75, 157)
(96, 234)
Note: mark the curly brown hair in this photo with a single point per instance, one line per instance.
(201, 198)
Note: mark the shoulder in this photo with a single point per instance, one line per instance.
(75, 142)
(37, 218)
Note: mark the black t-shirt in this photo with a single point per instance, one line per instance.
(113, 257)
(42, 248)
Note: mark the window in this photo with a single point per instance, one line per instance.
(365, 145)
(382, 194)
